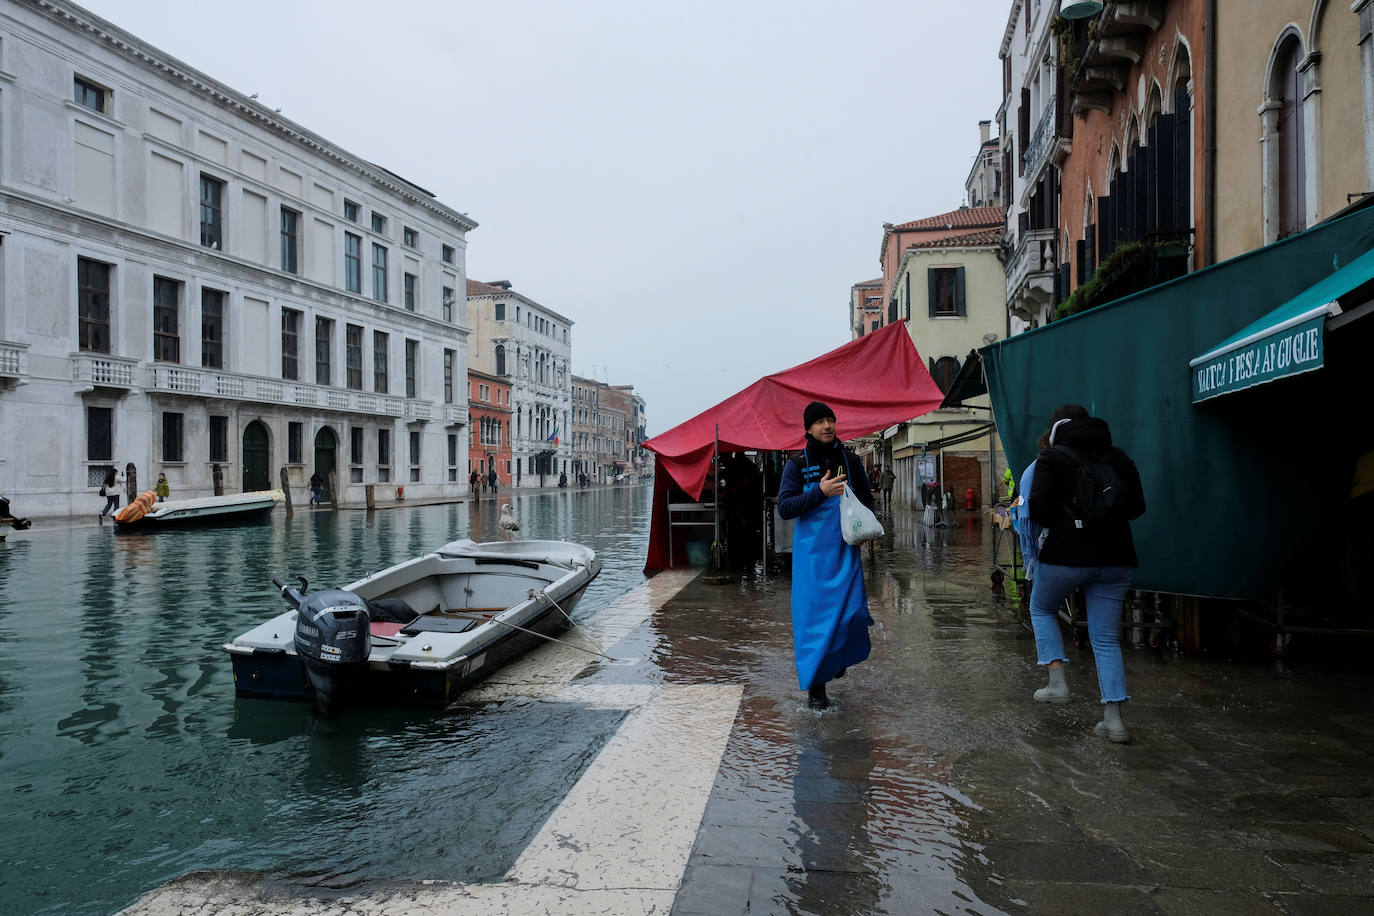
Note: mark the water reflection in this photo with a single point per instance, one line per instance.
(130, 762)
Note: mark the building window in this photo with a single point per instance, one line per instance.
(448, 303)
(353, 262)
(378, 273)
(412, 359)
(410, 237)
(378, 222)
(353, 357)
(449, 356)
(219, 439)
(295, 435)
(379, 360)
(290, 227)
(89, 94)
(447, 254)
(211, 212)
(943, 371)
(452, 458)
(383, 455)
(93, 305)
(212, 328)
(355, 454)
(946, 291)
(500, 311)
(166, 320)
(99, 434)
(171, 437)
(410, 281)
(350, 211)
(324, 331)
(290, 343)
(414, 456)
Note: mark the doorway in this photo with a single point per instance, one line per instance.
(255, 458)
(326, 449)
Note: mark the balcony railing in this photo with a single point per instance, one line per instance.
(1032, 260)
(189, 380)
(455, 415)
(103, 371)
(1041, 142)
(14, 360)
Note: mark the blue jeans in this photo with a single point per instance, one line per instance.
(1105, 589)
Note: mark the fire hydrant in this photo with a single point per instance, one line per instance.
(970, 498)
(401, 492)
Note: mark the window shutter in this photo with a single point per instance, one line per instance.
(908, 295)
(933, 292)
(959, 292)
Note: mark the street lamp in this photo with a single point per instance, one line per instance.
(1079, 9)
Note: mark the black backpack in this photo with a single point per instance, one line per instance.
(1099, 493)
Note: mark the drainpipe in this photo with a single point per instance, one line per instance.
(1209, 94)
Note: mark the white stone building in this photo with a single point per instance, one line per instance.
(517, 338)
(189, 280)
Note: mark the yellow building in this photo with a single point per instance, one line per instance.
(1294, 116)
(951, 293)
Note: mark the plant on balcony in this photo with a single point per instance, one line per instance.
(1068, 46)
(1087, 294)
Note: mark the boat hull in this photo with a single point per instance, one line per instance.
(229, 510)
(269, 673)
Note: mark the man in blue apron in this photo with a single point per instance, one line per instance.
(830, 618)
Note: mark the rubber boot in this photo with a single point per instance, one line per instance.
(1057, 690)
(816, 698)
(1111, 726)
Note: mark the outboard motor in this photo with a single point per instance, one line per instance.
(333, 639)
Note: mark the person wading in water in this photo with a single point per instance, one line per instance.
(830, 617)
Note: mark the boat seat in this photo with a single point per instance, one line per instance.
(390, 610)
(432, 624)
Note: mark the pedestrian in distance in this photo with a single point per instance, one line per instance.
(472, 482)
(830, 618)
(162, 488)
(316, 489)
(109, 488)
(491, 480)
(887, 479)
(1084, 492)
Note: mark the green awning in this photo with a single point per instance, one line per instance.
(1287, 341)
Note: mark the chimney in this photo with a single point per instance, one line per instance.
(984, 128)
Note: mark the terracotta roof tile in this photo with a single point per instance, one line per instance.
(963, 218)
(980, 239)
(477, 288)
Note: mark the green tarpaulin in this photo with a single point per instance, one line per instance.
(1237, 487)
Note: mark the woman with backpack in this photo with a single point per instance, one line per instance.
(1084, 492)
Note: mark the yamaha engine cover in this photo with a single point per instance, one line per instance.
(333, 641)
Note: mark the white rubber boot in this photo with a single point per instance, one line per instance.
(1111, 727)
(1057, 690)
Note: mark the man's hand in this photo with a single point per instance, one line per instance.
(832, 486)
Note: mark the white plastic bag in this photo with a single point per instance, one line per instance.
(857, 522)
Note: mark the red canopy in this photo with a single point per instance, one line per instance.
(870, 383)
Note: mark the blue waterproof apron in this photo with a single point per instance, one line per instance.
(830, 618)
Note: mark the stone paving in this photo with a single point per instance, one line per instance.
(938, 786)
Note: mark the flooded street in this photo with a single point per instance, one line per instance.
(686, 776)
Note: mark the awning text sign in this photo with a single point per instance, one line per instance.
(1293, 350)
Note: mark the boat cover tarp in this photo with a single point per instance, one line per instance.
(871, 383)
(1234, 486)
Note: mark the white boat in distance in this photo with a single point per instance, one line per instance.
(206, 510)
(418, 633)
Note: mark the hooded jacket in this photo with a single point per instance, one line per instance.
(1056, 473)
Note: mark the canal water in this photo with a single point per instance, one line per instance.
(127, 761)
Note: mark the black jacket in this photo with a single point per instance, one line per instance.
(810, 464)
(1052, 488)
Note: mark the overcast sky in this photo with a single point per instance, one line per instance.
(695, 185)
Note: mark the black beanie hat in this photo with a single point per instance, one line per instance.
(816, 410)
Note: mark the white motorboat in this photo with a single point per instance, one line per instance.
(419, 632)
(198, 510)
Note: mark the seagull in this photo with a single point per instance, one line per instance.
(507, 521)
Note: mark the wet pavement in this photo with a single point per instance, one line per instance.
(934, 785)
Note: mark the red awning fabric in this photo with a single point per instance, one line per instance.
(870, 383)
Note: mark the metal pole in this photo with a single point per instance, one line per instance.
(715, 501)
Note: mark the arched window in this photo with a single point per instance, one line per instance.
(943, 371)
(1292, 171)
(500, 359)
